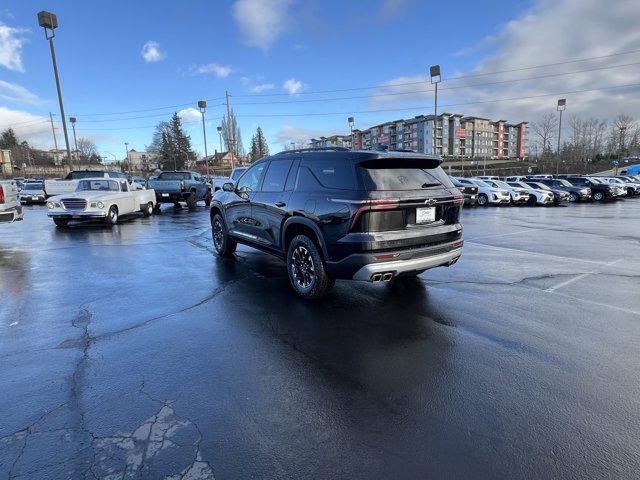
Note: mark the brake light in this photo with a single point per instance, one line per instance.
(457, 244)
(1, 194)
(370, 207)
(458, 200)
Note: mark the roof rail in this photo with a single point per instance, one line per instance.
(320, 149)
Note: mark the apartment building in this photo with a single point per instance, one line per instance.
(455, 136)
(332, 141)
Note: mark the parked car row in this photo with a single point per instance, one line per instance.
(545, 189)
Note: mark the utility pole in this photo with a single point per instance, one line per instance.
(49, 22)
(55, 140)
(126, 147)
(231, 132)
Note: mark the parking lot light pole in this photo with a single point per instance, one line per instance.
(202, 105)
(434, 73)
(49, 22)
(351, 121)
(562, 104)
(75, 142)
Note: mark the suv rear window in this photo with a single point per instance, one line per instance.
(402, 174)
(337, 174)
(86, 174)
(174, 176)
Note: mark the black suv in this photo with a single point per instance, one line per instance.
(340, 214)
(599, 191)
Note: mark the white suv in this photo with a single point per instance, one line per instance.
(519, 196)
(486, 193)
(541, 197)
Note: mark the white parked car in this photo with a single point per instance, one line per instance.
(10, 208)
(32, 192)
(519, 196)
(100, 198)
(542, 197)
(486, 193)
(69, 183)
(633, 188)
(218, 182)
(618, 190)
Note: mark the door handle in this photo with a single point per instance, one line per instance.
(280, 204)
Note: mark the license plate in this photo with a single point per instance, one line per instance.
(165, 194)
(425, 215)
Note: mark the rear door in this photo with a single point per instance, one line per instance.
(269, 206)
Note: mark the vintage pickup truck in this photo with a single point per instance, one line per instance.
(100, 198)
(69, 183)
(10, 208)
(176, 187)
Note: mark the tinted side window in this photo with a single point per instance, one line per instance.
(276, 176)
(307, 181)
(333, 173)
(251, 178)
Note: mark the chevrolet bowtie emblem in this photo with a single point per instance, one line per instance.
(430, 201)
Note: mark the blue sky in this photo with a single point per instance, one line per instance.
(199, 49)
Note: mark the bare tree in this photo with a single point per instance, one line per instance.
(87, 151)
(545, 129)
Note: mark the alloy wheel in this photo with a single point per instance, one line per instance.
(218, 233)
(302, 266)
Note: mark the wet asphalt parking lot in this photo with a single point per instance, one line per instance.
(134, 352)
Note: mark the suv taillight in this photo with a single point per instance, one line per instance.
(1, 194)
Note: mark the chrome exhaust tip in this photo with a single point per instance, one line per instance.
(376, 277)
(387, 277)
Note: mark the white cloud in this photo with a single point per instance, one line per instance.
(220, 71)
(151, 52)
(190, 114)
(13, 92)
(34, 129)
(391, 9)
(541, 36)
(293, 86)
(261, 21)
(262, 87)
(11, 42)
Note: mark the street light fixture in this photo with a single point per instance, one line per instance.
(49, 22)
(434, 73)
(351, 121)
(75, 142)
(562, 105)
(202, 105)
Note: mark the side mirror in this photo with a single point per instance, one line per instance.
(228, 187)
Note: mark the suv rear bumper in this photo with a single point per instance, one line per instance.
(11, 215)
(372, 266)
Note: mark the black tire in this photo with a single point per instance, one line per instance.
(112, 215)
(207, 198)
(598, 196)
(306, 270)
(225, 245)
(61, 222)
(482, 200)
(573, 197)
(533, 201)
(148, 209)
(176, 204)
(156, 209)
(192, 201)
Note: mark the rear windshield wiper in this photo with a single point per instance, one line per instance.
(427, 185)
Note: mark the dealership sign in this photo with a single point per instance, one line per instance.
(461, 133)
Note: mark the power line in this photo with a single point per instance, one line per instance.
(146, 109)
(456, 87)
(134, 118)
(445, 105)
(456, 77)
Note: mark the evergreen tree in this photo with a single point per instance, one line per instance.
(8, 139)
(259, 146)
(172, 145)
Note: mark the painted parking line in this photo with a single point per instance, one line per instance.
(581, 276)
(538, 254)
(502, 234)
